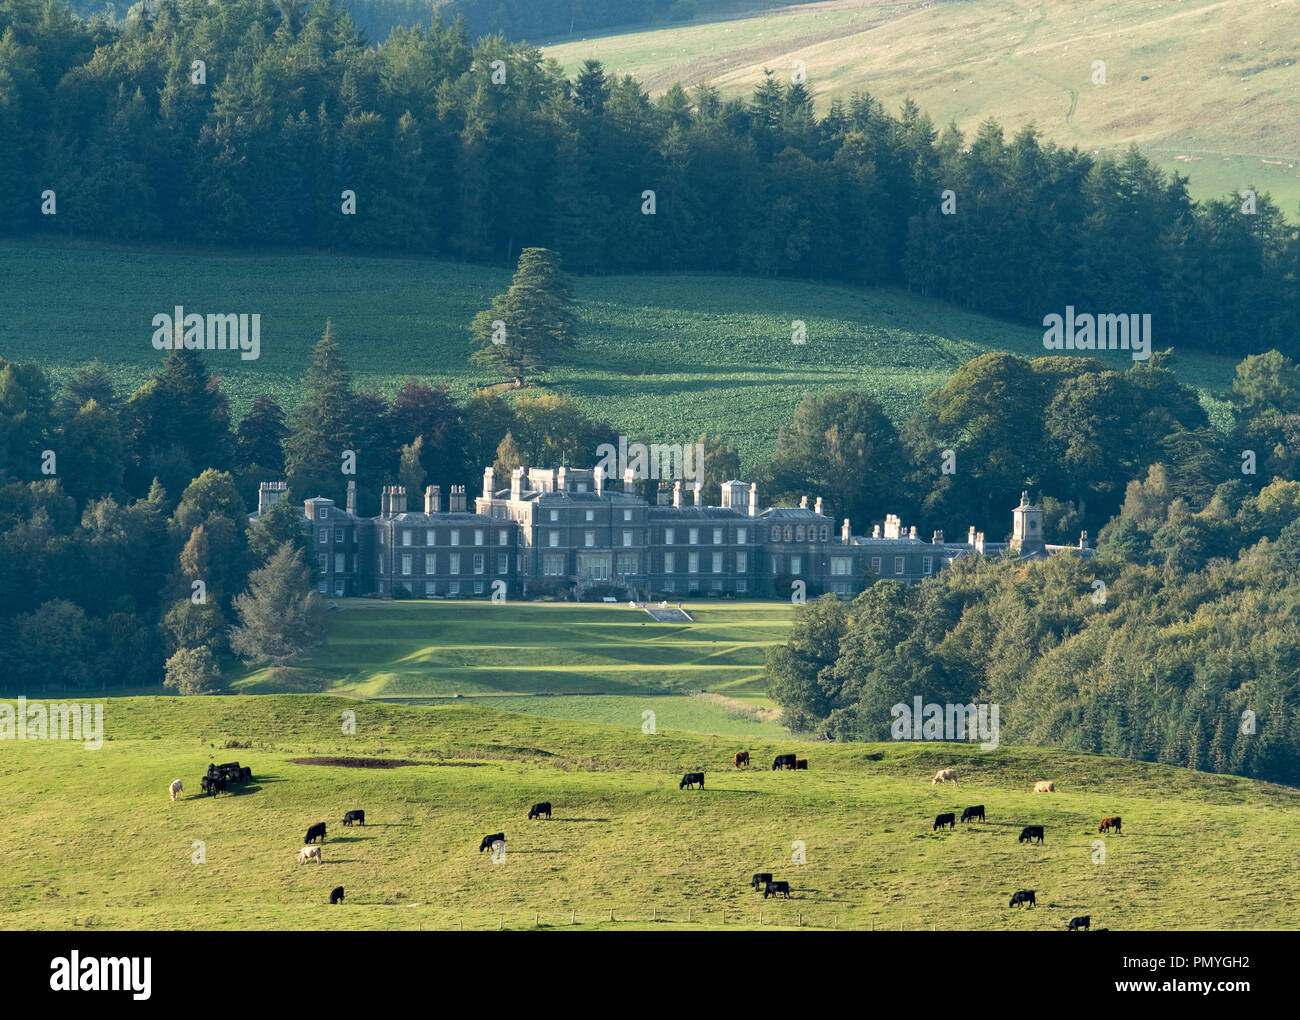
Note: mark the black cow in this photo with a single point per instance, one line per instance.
(1023, 897)
(337, 895)
(245, 775)
(544, 808)
(489, 840)
(213, 784)
(1077, 923)
(784, 761)
(358, 816)
(315, 832)
(973, 812)
(801, 763)
(760, 878)
(691, 779)
(1030, 833)
(774, 888)
(950, 820)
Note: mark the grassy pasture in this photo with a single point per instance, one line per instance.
(1207, 87)
(669, 357)
(417, 649)
(92, 840)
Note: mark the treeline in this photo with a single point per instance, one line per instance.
(448, 151)
(1075, 433)
(1189, 668)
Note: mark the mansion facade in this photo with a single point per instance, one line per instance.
(565, 530)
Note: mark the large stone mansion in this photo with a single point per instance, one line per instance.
(564, 529)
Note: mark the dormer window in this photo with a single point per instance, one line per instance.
(322, 513)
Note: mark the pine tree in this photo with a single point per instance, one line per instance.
(529, 326)
(321, 427)
(280, 614)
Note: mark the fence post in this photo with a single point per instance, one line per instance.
(534, 919)
(611, 913)
(760, 917)
(501, 922)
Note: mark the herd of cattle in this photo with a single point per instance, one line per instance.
(220, 777)
(1029, 834)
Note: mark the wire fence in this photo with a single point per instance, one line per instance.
(743, 919)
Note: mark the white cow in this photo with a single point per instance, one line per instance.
(307, 853)
(944, 775)
(176, 788)
(1044, 787)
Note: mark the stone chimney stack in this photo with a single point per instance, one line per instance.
(489, 482)
(817, 507)
(268, 494)
(803, 502)
(846, 533)
(516, 483)
(937, 539)
(699, 494)
(875, 531)
(970, 536)
(979, 542)
(456, 502)
(629, 481)
(598, 476)
(352, 499)
(663, 495)
(399, 499)
(562, 480)
(677, 494)
(433, 498)
(1083, 540)
(911, 533)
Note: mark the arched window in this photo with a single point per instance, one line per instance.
(826, 532)
(776, 533)
(787, 532)
(798, 533)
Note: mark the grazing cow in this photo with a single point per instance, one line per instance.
(801, 763)
(944, 776)
(1078, 923)
(358, 816)
(245, 775)
(213, 784)
(783, 761)
(489, 840)
(1044, 787)
(950, 820)
(776, 888)
(1110, 823)
(307, 853)
(537, 810)
(337, 895)
(1030, 833)
(973, 812)
(692, 779)
(742, 758)
(1022, 897)
(175, 789)
(315, 832)
(760, 878)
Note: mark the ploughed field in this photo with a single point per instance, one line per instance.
(91, 840)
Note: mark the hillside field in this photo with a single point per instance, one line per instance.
(593, 663)
(91, 840)
(1204, 87)
(668, 357)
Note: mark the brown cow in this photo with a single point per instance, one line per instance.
(742, 758)
(1110, 823)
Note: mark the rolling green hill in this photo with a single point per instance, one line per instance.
(664, 356)
(1205, 87)
(418, 649)
(92, 841)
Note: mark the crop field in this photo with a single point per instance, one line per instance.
(1206, 87)
(668, 357)
(91, 840)
(419, 649)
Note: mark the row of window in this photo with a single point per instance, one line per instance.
(798, 533)
(478, 563)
